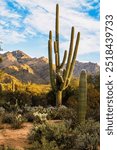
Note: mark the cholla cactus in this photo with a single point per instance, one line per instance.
(60, 78)
(41, 116)
(82, 107)
(2, 110)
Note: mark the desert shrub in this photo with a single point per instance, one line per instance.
(62, 113)
(93, 97)
(46, 145)
(21, 97)
(2, 110)
(93, 103)
(59, 137)
(70, 91)
(8, 118)
(35, 114)
(72, 102)
(62, 137)
(39, 99)
(29, 117)
(3, 147)
(88, 135)
(17, 121)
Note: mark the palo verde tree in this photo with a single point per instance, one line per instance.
(60, 76)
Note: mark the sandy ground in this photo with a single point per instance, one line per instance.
(18, 138)
(15, 138)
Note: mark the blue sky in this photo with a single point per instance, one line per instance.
(25, 24)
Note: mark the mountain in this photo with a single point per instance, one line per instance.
(92, 68)
(25, 68)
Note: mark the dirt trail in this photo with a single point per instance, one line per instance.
(15, 138)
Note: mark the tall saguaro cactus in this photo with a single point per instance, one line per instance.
(82, 105)
(60, 78)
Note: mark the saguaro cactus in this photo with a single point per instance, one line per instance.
(1, 87)
(82, 105)
(60, 78)
(13, 86)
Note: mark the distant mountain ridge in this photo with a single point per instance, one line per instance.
(36, 70)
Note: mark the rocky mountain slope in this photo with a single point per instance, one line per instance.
(25, 68)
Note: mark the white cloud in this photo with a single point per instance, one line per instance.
(4, 12)
(42, 19)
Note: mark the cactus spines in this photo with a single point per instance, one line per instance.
(59, 77)
(82, 103)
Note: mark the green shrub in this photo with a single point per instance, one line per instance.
(2, 110)
(62, 137)
(39, 99)
(93, 103)
(46, 145)
(21, 97)
(17, 122)
(29, 117)
(63, 113)
(6, 148)
(8, 118)
(88, 135)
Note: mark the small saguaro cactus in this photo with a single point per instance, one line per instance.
(60, 77)
(82, 103)
(1, 87)
(12, 86)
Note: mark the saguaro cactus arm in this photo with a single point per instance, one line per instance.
(74, 55)
(71, 59)
(69, 56)
(64, 60)
(57, 31)
(52, 79)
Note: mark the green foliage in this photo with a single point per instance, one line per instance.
(95, 80)
(93, 97)
(46, 145)
(3, 147)
(35, 95)
(15, 120)
(39, 99)
(93, 102)
(59, 135)
(71, 97)
(22, 98)
(61, 79)
(61, 113)
(83, 137)
(88, 135)
(29, 117)
(8, 118)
